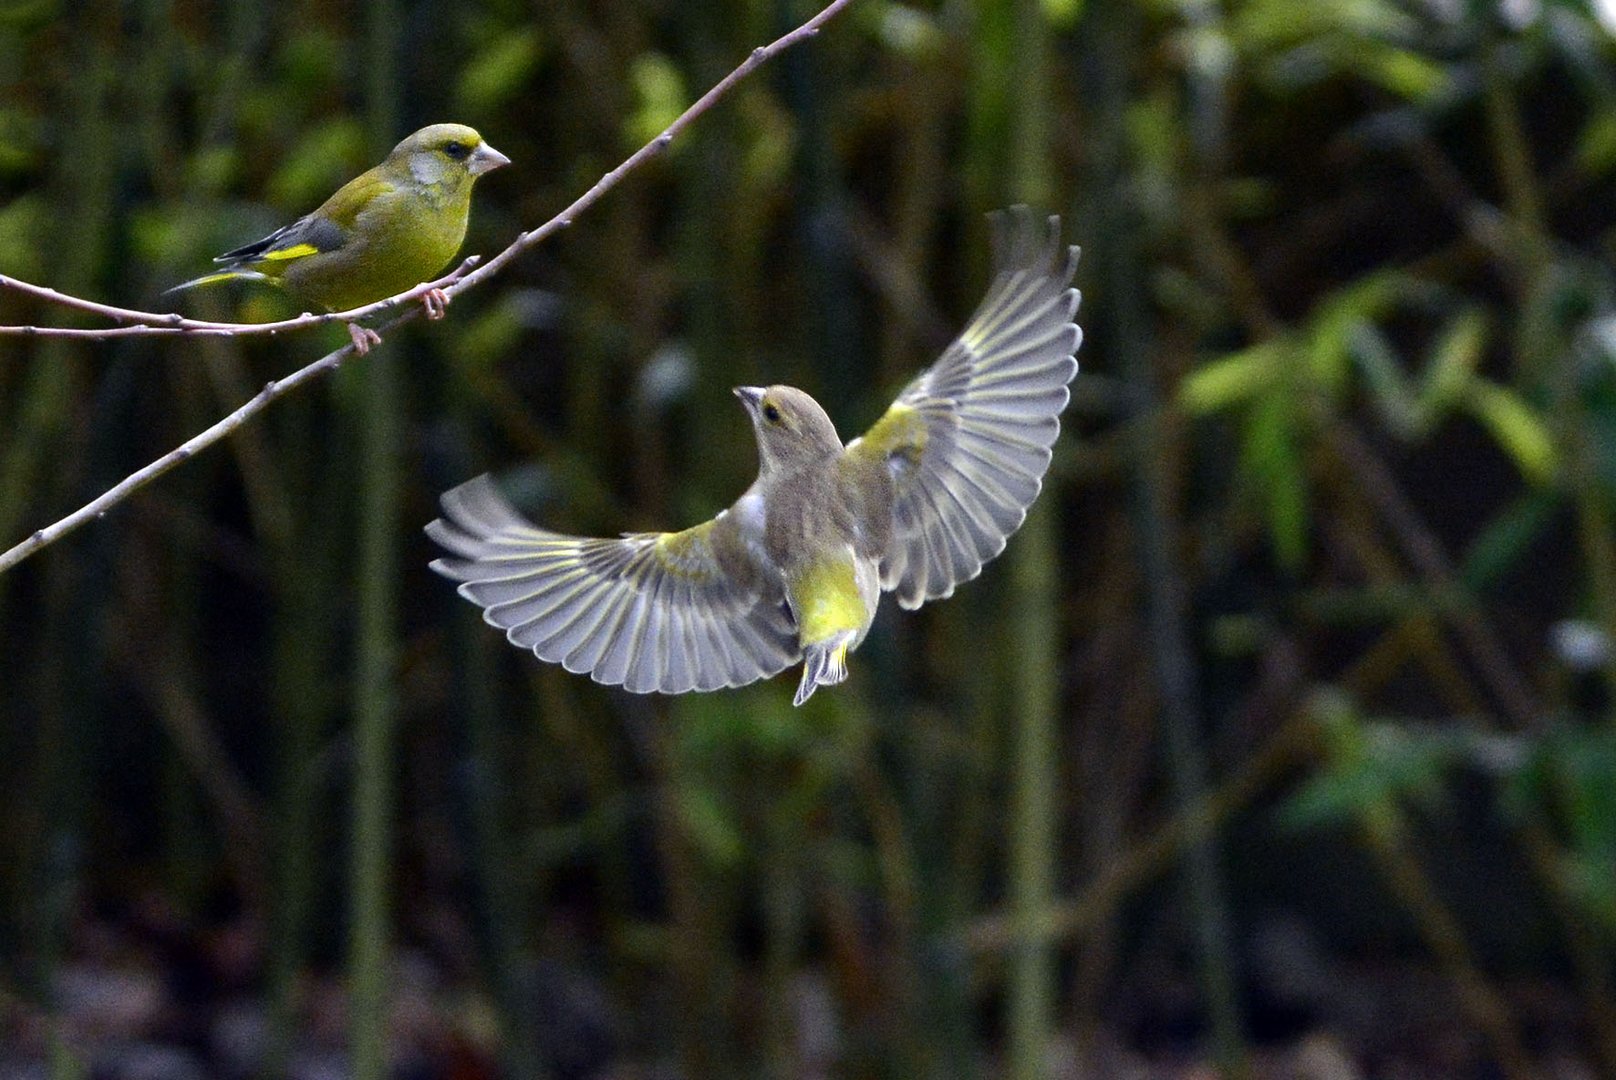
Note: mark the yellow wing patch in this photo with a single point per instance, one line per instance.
(827, 602)
(900, 430)
(688, 554)
(296, 251)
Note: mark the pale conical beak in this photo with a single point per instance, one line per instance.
(751, 397)
(485, 159)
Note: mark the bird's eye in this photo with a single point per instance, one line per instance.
(771, 414)
(457, 150)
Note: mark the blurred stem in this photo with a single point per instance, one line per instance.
(782, 902)
(52, 834)
(65, 1063)
(485, 797)
(698, 959)
(1146, 859)
(1513, 159)
(1035, 585)
(899, 981)
(1384, 831)
(1424, 552)
(1535, 352)
(1596, 531)
(304, 559)
(375, 703)
(1159, 528)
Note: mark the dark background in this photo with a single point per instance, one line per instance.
(1281, 742)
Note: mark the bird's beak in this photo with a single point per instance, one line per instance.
(485, 159)
(751, 397)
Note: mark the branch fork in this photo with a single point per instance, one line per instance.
(433, 297)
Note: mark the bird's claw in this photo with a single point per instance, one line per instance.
(363, 338)
(435, 301)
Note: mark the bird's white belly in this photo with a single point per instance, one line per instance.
(749, 517)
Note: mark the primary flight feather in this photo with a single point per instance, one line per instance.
(794, 570)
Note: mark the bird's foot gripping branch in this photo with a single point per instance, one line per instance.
(129, 322)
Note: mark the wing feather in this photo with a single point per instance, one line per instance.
(308, 235)
(968, 441)
(664, 612)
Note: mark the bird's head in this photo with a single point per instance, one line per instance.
(446, 153)
(792, 430)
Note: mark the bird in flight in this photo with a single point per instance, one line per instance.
(795, 569)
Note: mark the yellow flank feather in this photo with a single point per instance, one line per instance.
(826, 599)
(211, 279)
(296, 251)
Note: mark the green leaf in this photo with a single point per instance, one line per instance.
(1516, 426)
(501, 70)
(659, 91)
(1596, 145)
(22, 232)
(1405, 73)
(1370, 768)
(19, 142)
(1567, 779)
(1389, 387)
(1453, 362)
(1333, 327)
(212, 169)
(318, 162)
(907, 30)
(711, 825)
(1230, 380)
(1273, 462)
(1063, 14)
(1508, 537)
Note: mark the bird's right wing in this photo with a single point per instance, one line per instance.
(663, 612)
(967, 442)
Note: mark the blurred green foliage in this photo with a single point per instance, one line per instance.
(1350, 320)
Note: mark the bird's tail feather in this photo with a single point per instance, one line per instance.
(222, 275)
(824, 663)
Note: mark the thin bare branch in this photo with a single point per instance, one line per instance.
(171, 324)
(461, 279)
(146, 323)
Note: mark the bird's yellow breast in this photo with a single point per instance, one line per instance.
(825, 598)
(400, 239)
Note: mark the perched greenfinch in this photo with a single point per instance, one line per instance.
(383, 232)
(795, 568)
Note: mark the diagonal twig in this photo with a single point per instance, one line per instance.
(464, 278)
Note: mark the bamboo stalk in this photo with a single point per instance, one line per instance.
(1035, 805)
(375, 701)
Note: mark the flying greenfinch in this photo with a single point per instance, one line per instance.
(795, 568)
(382, 232)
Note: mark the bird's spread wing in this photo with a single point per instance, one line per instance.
(967, 442)
(665, 612)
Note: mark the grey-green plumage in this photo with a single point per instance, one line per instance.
(382, 232)
(795, 568)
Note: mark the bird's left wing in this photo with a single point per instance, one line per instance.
(326, 229)
(664, 612)
(311, 234)
(967, 442)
